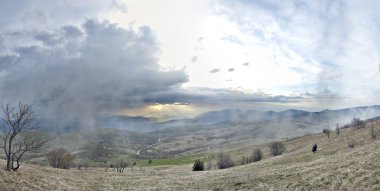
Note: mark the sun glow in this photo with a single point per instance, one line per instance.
(157, 107)
(161, 112)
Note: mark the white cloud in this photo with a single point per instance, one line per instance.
(330, 45)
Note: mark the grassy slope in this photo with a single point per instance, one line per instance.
(334, 167)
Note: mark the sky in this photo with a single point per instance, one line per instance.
(166, 59)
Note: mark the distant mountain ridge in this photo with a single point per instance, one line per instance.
(237, 115)
(326, 117)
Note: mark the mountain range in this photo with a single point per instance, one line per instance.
(325, 118)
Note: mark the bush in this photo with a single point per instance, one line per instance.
(198, 165)
(277, 148)
(60, 158)
(150, 161)
(120, 166)
(356, 123)
(257, 155)
(225, 161)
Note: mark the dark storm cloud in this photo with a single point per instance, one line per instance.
(6, 61)
(78, 72)
(48, 39)
(71, 32)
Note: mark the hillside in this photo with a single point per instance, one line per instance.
(209, 132)
(226, 129)
(334, 167)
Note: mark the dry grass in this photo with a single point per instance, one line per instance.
(334, 167)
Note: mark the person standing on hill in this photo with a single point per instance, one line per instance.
(315, 148)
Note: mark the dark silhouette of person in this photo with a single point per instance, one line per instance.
(315, 148)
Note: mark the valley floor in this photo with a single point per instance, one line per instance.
(334, 167)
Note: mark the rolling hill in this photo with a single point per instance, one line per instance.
(211, 131)
(335, 166)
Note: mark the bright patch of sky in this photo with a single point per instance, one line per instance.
(326, 48)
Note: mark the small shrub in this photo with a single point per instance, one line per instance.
(225, 161)
(257, 155)
(277, 148)
(198, 165)
(150, 161)
(351, 144)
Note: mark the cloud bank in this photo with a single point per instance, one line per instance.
(74, 63)
(74, 73)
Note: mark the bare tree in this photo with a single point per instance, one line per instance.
(277, 148)
(242, 160)
(120, 166)
(18, 134)
(357, 123)
(372, 132)
(60, 158)
(257, 155)
(327, 132)
(225, 161)
(337, 129)
(245, 160)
